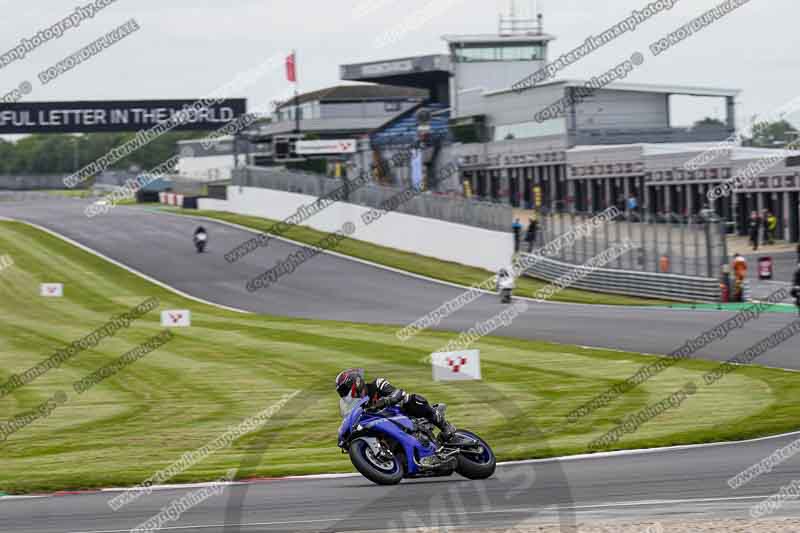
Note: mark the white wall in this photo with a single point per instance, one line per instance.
(217, 167)
(424, 236)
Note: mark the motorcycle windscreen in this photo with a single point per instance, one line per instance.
(347, 404)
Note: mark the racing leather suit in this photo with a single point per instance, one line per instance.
(383, 394)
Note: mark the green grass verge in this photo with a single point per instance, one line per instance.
(230, 366)
(418, 264)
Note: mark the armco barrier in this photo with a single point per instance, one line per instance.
(645, 284)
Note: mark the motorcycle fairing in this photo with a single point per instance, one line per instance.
(358, 423)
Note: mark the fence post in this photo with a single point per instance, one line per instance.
(618, 241)
(575, 243)
(724, 242)
(669, 245)
(657, 255)
(697, 253)
(584, 242)
(644, 256)
(709, 252)
(630, 239)
(683, 246)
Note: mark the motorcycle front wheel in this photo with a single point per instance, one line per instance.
(384, 470)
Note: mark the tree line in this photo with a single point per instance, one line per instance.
(64, 154)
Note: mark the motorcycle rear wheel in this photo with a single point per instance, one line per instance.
(473, 466)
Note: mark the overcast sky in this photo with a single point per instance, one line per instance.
(189, 48)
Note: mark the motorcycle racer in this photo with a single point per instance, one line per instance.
(351, 386)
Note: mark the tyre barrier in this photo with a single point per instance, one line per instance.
(171, 198)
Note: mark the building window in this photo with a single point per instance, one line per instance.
(474, 53)
(533, 129)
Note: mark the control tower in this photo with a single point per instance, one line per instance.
(475, 64)
(482, 64)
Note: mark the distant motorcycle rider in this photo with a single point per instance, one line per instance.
(351, 386)
(200, 239)
(505, 284)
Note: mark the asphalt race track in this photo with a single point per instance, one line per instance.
(655, 484)
(330, 287)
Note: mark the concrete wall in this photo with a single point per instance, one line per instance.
(424, 236)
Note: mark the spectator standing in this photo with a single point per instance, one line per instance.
(755, 229)
(633, 206)
(739, 266)
(771, 225)
(797, 276)
(516, 227)
(796, 288)
(739, 274)
(620, 203)
(530, 235)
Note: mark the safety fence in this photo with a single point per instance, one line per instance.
(691, 246)
(631, 283)
(427, 204)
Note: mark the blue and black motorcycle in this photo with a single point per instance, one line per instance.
(387, 446)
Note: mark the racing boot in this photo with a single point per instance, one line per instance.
(446, 429)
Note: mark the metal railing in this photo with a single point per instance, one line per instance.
(688, 246)
(457, 210)
(631, 283)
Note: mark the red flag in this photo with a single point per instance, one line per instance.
(291, 71)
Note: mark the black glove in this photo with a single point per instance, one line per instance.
(379, 405)
(383, 403)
